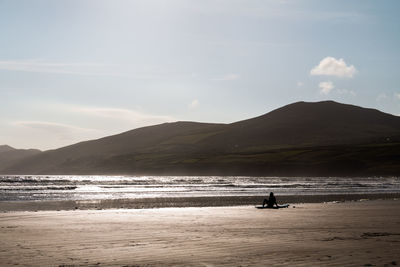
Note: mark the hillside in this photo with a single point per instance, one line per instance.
(10, 155)
(309, 124)
(323, 138)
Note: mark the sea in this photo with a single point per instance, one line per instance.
(72, 187)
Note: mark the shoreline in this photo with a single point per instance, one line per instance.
(352, 233)
(181, 202)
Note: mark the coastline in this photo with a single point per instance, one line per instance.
(181, 202)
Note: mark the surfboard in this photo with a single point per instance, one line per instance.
(279, 207)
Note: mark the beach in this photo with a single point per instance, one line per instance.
(180, 202)
(349, 233)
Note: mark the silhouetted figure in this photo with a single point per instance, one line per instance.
(271, 201)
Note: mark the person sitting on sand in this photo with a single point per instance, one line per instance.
(271, 201)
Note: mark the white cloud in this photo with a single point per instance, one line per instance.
(227, 77)
(397, 95)
(194, 104)
(73, 68)
(299, 84)
(326, 87)
(331, 66)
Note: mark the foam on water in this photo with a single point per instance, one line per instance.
(61, 187)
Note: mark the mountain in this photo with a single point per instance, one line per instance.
(5, 148)
(310, 124)
(323, 138)
(10, 155)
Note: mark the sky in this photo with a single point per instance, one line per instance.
(75, 70)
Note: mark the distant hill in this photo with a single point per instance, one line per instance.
(5, 148)
(10, 155)
(323, 138)
(310, 124)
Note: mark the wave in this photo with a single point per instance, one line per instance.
(65, 187)
(40, 188)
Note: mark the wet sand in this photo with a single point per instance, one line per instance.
(168, 202)
(352, 233)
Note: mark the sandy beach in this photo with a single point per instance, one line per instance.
(174, 202)
(352, 233)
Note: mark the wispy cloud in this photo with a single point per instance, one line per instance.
(98, 122)
(108, 120)
(227, 77)
(326, 87)
(346, 92)
(282, 9)
(381, 97)
(220, 41)
(331, 66)
(194, 104)
(127, 115)
(61, 131)
(133, 71)
(72, 68)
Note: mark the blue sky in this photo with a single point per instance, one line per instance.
(78, 70)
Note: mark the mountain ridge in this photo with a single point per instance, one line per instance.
(304, 137)
(9, 155)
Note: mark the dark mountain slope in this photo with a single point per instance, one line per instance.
(5, 148)
(88, 157)
(10, 155)
(309, 124)
(321, 138)
(149, 139)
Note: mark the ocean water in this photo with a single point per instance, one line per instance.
(61, 187)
